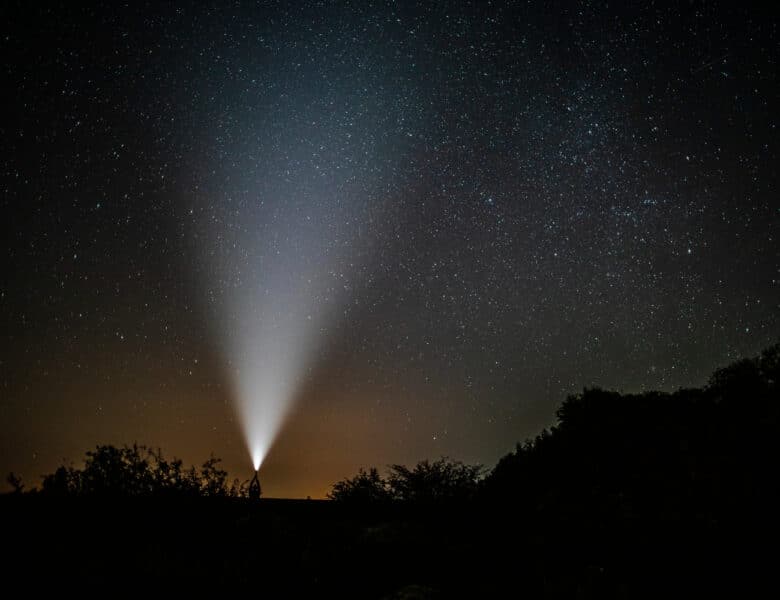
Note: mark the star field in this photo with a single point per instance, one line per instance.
(480, 208)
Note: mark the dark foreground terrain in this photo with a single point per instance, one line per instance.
(288, 548)
(627, 496)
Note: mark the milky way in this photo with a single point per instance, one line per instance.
(463, 213)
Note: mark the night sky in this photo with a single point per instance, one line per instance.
(432, 222)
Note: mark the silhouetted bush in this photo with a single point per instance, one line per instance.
(441, 480)
(15, 482)
(365, 487)
(139, 471)
(438, 481)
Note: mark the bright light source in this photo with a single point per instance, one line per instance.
(287, 278)
(271, 361)
(272, 328)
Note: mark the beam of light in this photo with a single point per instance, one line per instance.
(284, 268)
(271, 349)
(292, 227)
(278, 312)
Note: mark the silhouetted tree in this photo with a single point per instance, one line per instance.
(441, 480)
(138, 471)
(238, 489)
(213, 479)
(15, 482)
(653, 455)
(64, 481)
(365, 487)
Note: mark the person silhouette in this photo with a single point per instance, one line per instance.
(254, 488)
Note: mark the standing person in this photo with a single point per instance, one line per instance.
(254, 488)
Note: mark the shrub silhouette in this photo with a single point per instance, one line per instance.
(15, 482)
(365, 487)
(441, 480)
(138, 471)
(428, 482)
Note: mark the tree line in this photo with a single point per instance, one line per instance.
(136, 470)
(694, 451)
